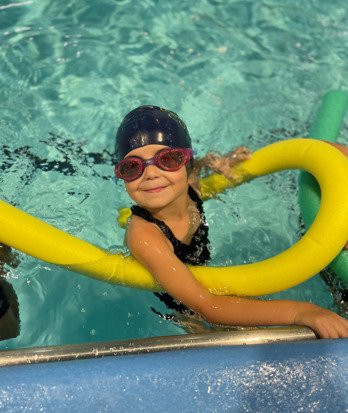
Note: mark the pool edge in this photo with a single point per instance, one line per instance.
(154, 344)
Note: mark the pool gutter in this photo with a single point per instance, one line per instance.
(154, 344)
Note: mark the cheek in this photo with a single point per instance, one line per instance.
(177, 177)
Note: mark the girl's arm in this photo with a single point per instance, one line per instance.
(223, 163)
(218, 163)
(150, 247)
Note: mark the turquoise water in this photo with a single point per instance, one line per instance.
(238, 72)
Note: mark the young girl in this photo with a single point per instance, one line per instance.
(167, 228)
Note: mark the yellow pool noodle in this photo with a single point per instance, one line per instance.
(316, 249)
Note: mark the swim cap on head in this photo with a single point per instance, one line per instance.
(148, 125)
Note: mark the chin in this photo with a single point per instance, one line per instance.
(154, 203)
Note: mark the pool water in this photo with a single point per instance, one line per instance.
(238, 72)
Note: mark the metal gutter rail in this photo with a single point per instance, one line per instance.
(155, 344)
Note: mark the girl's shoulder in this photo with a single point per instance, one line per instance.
(136, 225)
(142, 233)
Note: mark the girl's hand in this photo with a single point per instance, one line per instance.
(324, 323)
(223, 163)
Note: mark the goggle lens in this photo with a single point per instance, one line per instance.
(129, 170)
(171, 160)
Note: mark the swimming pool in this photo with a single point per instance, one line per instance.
(237, 72)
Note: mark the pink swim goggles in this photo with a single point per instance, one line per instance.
(168, 159)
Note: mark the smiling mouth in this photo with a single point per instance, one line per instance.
(154, 190)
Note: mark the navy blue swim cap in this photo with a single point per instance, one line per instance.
(148, 125)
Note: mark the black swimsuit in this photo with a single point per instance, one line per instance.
(195, 253)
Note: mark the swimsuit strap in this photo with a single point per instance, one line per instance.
(195, 198)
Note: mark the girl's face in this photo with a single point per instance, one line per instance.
(156, 189)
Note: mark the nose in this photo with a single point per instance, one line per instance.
(151, 172)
